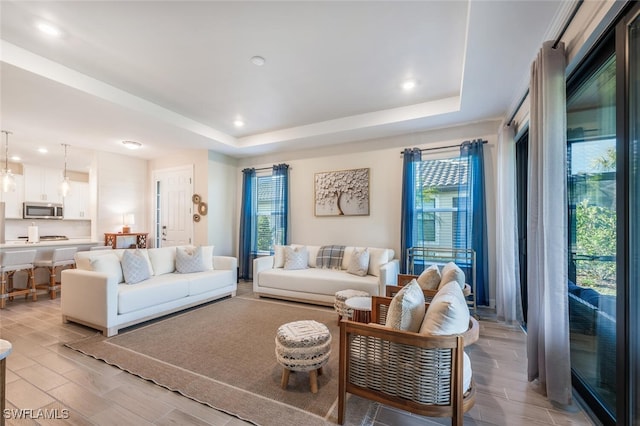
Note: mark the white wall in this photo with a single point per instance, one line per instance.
(223, 211)
(119, 186)
(382, 156)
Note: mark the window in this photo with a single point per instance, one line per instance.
(440, 210)
(269, 209)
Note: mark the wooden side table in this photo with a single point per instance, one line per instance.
(111, 239)
(361, 306)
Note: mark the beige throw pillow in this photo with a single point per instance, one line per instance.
(452, 272)
(407, 308)
(447, 314)
(359, 262)
(429, 279)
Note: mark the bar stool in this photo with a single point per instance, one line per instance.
(61, 257)
(10, 263)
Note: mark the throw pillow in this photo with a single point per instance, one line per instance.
(134, 266)
(329, 257)
(295, 258)
(377, 258)
(189, 259)
(430, 278)
(448, 312)
(406, 310)
(452, 272)
(278, 256)
(108, 264)
(163, 260)
(359, 263)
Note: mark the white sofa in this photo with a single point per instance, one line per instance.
(95, 295)
(318, 286)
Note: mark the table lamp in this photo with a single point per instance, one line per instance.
(127, 220)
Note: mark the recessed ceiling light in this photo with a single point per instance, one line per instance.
(132, 144)
(258, 60)
(15, 158)
(238, 123)
(43, 150)
(409, 85)
(49, 29)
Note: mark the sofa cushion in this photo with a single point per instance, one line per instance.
(430, 278)
(406, 310)
(108, 264)
(377, 258)
(359, 263)
(330, 257)
(189, 259)
(202, 282)
(448, 312)
(452, 272)
(152, 292)
(135, 267)
(313, 254)
(163, 260)
(296, 258)
(317, 281)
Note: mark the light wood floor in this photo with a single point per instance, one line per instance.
(43, 374)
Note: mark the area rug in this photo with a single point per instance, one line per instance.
(223, 355)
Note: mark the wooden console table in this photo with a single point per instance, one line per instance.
(111, 239)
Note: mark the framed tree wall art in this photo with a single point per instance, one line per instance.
(342, 193)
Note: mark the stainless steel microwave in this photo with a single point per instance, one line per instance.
(42, 210)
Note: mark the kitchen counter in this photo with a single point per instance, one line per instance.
(23, 244)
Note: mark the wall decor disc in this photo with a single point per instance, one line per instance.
(203, 208)
(196, 199)
(196, 217)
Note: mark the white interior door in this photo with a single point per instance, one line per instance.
(174, 208)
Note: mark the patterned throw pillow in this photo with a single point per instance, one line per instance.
(329, 257)
(189, 259)
(295, 258)
(359, 262)
(135, 266)
(406, 310)
(429, 279)
(452, 272)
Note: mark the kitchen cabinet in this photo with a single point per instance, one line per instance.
(13, 200)
(76, 203)
(42, 184)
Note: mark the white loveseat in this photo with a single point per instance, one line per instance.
(95, 295)
(319, 286)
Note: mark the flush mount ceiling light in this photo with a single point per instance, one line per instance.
(238, 123)
(15, 158)
(48, 29)
(409, 85)
(258, 61)
(132, 144)
(7, 180)
(43, 150)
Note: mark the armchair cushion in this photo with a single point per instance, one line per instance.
(452, 272)
(430, 278)
(406, 310)
(447, 314)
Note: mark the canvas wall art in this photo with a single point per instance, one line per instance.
(342, 193)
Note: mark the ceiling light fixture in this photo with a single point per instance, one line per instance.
(258, 61)
(7, 180)
(409, 85)
(15, 158)
(64, 185)
(132, 144)
(49, 29)
(43, 150)
(238, 123)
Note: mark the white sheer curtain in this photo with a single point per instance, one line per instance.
(547, 316)
(508, 300)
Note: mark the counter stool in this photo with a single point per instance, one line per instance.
(60, 257)
(10, 263)
(303, 346)
(339, 303)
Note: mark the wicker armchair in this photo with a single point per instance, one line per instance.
(417, 373)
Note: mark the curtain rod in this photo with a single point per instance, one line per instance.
(555, 44)
(265, 168)
(444, 147)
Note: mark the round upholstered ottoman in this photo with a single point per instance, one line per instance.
(303, 346)
(341, 297)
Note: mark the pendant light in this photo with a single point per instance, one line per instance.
(64, 185)
(7, 180)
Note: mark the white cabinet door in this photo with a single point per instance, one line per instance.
(13, 200)
(42, 184)
(76, 203)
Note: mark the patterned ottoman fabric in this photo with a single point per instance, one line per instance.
(342, 296)
(303, 345)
